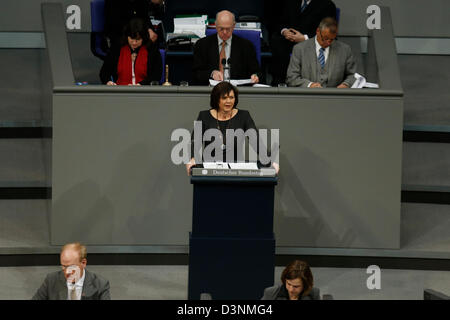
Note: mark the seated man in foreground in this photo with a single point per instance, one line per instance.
(73, 282)
(211, 51)
(322, 61)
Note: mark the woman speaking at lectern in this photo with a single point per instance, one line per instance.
(136, 61)
(224, 115)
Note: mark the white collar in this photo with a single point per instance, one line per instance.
(227, 41)
(79, 283)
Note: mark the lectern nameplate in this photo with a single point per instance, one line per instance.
(263, 172)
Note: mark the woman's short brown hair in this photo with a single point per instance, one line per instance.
(299, 269)
(136, 28)
(219, 91)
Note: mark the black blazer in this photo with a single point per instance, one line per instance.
(206, 59)
(307, 21)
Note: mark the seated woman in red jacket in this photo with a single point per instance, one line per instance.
(136, 62)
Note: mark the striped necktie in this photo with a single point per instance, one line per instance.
(304, 5)
(321, 57)
(222, 56)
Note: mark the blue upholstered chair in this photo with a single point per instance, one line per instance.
(251, 35)
(338, 14)
(163, 60)
(98, 39)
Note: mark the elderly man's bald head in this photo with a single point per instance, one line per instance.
(225, 15)
(225, 23)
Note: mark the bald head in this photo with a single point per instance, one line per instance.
(225, 23)
(225, 16)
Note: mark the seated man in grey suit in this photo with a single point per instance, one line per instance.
(73, 282)
(322, 61)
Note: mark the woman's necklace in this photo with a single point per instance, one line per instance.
(223, 146)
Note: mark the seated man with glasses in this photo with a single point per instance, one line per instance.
(73, 282)
(211, 52)
(322, 61)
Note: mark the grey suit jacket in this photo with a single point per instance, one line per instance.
(55, 287)
(271, 293)
(304, 66)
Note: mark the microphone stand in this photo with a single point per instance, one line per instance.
(167, 83)
(226, 69)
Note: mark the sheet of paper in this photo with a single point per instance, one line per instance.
(371, 85)
(360, 81)
(240, 82)
(246, 166)
(259, 85)
(215, 165)
(233, 82)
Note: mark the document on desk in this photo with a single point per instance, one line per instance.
(215, 165)
(362, 83)
(371, 85)
(244, 166)
(233, 82)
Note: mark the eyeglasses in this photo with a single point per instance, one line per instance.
(221, 29)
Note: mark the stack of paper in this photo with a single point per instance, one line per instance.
(231, 165)
(243, 165)
(215, 165)
(362, 83)
(191, 25)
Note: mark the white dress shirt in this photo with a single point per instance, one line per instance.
(78, 287)
(325, 53)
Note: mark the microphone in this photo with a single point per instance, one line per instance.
(226, 69)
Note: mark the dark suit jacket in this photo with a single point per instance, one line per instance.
(206, 59)
(55, 287)
(307, 21)
(279, 292)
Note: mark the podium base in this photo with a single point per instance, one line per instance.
(230, 268)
